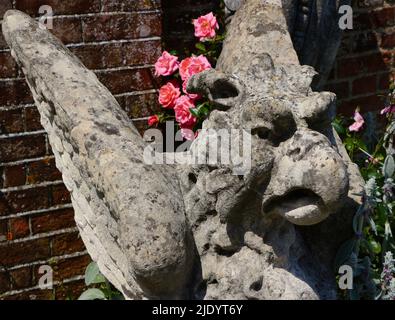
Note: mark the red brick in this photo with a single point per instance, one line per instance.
(60, 195)
(119, 54)
(364, 85)
(54, 220)
(59, 6)
(121, 81)
(360, 65)
(21, 278)
(130, 5)
(369, 103)
(42, 170)
(357, 43)
(14, 176)
(121, 26)
(100, 56)
(11, 121)
(340, 88)
(19, 227)
(70, 290)
(384, 17)
(3, 230)
(387, 40)
(23, 147)
(23, 200)
(67, 29)
(141, 126)
(366, 41)
(138, 106)
(8, 67)
(362, 21)
(37, 294)
(14, 92)
(370, 3)
(24, 252)
(384, 81)
(5, 284)
(32, 119)
(142, 52)
(70, 267)
(67, 243)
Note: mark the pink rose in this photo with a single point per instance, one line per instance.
(190, 95)
(166, 65)
(187, 134)
(357, 125)
(168, 94)
(183, 115)
(389, 109)
(205, 26)
(193, 65)
(153, 120)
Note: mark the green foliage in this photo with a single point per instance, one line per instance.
(92, 294)
(93, 275)
(101, 289)
(372, 149)
(211, 48)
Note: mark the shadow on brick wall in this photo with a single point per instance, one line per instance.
(365, 62)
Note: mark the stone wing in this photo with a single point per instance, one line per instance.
(130, 214)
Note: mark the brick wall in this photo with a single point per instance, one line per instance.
(365, 61)
(119, 40)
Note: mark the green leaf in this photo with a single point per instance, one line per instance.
(200, 46)
(194, 112)
(339, 128)
(372, 225)
(375, 247)
(389, 167)
(389, 131)
(344, 253)
(388, 231)
(93, 275)
(92, 294)
(203, 109)
(350, 144)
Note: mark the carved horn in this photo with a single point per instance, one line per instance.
(125, 210)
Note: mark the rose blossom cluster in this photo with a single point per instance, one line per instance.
(173, 95)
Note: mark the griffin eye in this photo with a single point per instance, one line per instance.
(224, 93)
(223, 89)
(261, 133)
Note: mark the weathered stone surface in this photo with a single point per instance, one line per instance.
(314, 29)
(300, 170)
(100, 154)
(200, 231)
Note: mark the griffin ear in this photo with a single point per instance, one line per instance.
(222, 90)
(318, 110)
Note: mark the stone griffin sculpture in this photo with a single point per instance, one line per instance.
(199, 231)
